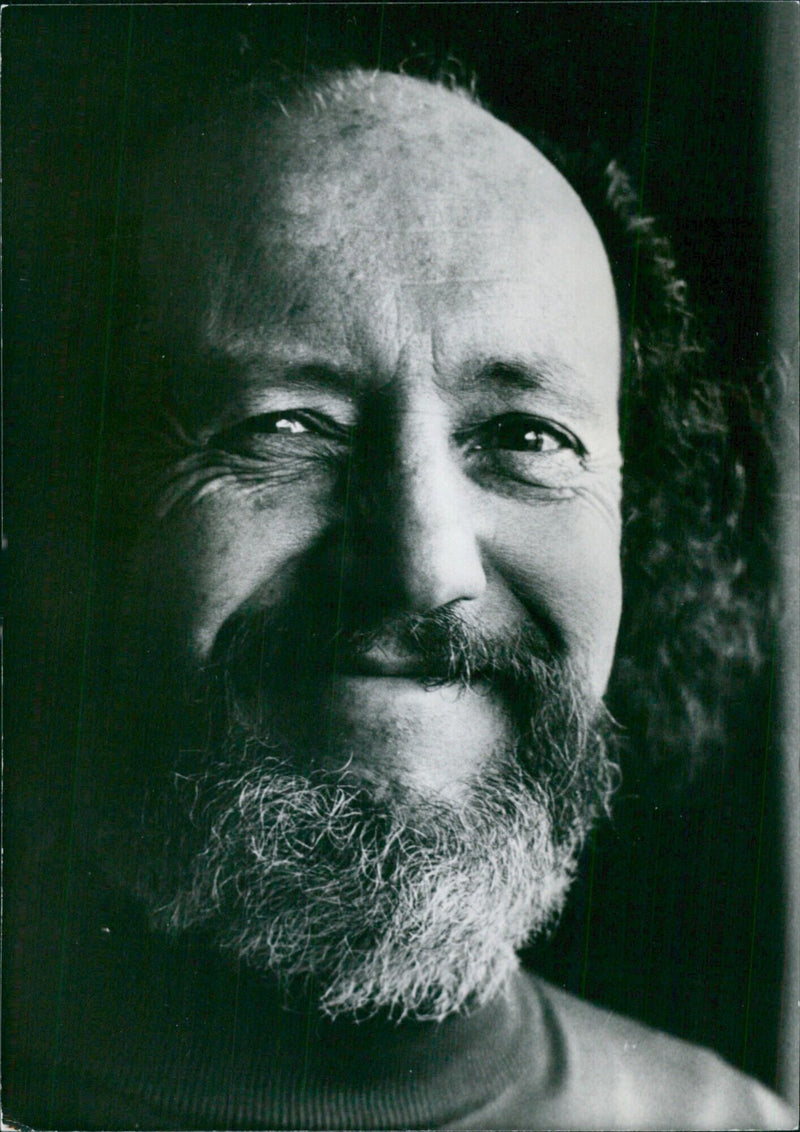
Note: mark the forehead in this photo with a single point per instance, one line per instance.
(400, 212)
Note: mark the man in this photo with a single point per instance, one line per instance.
(366, 498)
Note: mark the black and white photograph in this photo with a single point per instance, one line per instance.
(400, 441)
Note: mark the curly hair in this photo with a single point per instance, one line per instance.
(694, 606)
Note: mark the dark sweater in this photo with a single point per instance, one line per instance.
(172, 1039)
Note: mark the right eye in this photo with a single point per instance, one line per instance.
(288, 423)
(269, 432)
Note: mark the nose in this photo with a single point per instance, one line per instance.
(431, 554)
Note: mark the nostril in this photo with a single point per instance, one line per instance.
(439, 557)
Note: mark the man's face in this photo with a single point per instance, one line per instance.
(393, 406)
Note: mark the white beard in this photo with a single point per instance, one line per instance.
(412, 906)
(369, 897)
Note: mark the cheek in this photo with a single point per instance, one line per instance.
(220, 555)
(562, 560)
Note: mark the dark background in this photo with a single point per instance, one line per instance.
(677, 916)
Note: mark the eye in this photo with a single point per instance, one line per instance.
(519, 448)
(269, 429)
(288, 424)
(515, 432)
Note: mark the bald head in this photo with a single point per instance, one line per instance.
(374, 179)
(384, 237)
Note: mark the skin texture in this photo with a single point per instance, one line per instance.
(363, 330)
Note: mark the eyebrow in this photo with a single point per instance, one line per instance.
(540, 374)
(308, 375)
(222, 369)
(545, 375)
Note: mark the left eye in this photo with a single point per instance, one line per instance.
(516, 433)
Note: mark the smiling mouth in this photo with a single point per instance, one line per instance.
(386, 661)
(390, 660)
(287, 659)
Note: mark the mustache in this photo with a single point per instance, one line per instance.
(447, 649)
(436, 648)
(267, 659)
(565, 736)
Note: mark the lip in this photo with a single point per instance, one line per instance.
(386, 662)
(372, 708)
(371, 679)
(368, 691)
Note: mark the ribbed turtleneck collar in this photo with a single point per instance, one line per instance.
(178, 1036)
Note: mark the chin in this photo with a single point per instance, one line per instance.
(434, 740)
(401, 883)
(400, 905)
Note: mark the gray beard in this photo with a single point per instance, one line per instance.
(372, 901)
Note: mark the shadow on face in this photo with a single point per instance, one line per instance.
(393, 351)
